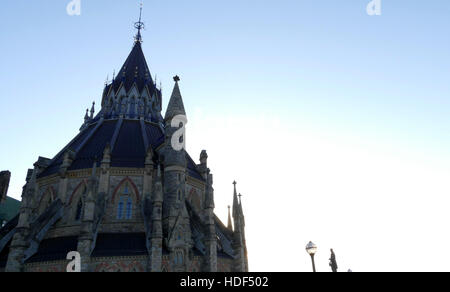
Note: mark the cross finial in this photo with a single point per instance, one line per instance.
(235, 183)
(139, 25)
(176, 78)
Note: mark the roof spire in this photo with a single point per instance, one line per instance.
(139, 25)
(240, 209)
(235, 202)
(86, 117)
(93, 110)
(176, 106)
(230, 225)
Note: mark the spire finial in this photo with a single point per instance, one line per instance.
(139, 25)
(86, 117)
(176, 78)
(93, 110)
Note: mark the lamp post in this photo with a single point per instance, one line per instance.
(311, 249)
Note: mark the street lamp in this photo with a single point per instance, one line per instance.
(311, 249)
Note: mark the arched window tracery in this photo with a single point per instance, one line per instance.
(125, 199)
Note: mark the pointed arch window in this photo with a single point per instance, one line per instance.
(179, 258)
(126, 202)
(46, 201)
(120, 209)
(129, 210)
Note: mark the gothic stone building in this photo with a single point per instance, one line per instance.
(122, 196)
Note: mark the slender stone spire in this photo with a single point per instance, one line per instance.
(235, 202)
(241, 212)
(92, 110)
(230, 224)
(238, 235)
(86, 117)
(176, 106)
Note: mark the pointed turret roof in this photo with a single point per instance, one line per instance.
(176, 106)
(241, 212)
(235, 202)
(135, 69)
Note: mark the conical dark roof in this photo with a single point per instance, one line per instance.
(176, 106)
(128, 136)
(134, 70)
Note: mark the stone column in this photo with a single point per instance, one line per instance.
(86, 237)
(157, 232)
(20, 243)
(103, 185)
(211, 240)
(239, 261)
(69, 156)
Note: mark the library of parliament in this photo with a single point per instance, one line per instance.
(123, 195)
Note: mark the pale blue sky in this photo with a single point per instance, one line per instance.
(315, 66)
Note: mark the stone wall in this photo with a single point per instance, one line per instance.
(119, 264)
(224, 265)
(54, 267)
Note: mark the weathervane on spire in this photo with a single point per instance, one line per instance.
(139, 25)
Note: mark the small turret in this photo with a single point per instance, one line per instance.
(236, 212)
(203, 166)
(238, 235)
(204, 158)
(92, 110)
(209, 197)
(175, 163)
(211, 239)
(176, 106)
(86, 120)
